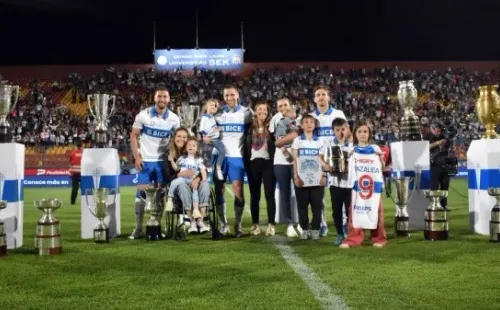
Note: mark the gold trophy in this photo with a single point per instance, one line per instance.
(495, 215)
(488, 110)
(48, 229)
(410, 123)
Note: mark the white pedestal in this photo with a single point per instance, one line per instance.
(483, 165)
(106, 163)
(12, 190)
(406, 157)
(280, 218)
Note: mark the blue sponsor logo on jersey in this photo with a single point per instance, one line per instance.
(232, 127)
(157, 133)
(324, 132)
(308, 152)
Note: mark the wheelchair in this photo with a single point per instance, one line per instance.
(177, 218)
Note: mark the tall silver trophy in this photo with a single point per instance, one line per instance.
(403, 196)
(189, 115)
(410, 124)
(152, 207)
(9, 94)
(495, 215)
(436, 221)
(100, 209)
(101, 112)
(3, 205)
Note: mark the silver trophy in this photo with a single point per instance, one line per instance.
(495, 215)
(152, 207)
(189, 115)
(9, 94)
(3, 205)
(410, 123)
(48, 229)
(100, 209)
(436, 221)
(403, 197)
(101, 112)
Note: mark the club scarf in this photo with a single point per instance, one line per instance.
(365, 171)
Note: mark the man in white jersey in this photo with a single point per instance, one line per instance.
(325, 114)
(154, 127)
(234, 120)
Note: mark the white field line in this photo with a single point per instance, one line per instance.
(321, 292)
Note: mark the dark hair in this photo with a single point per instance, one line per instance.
(323, 87)
(231, 86)
(78, 143)
(338, 122)
(307, 116)
(162, 89)
(359, 124)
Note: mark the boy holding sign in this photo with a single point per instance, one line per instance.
(366, 170)
(308, 177)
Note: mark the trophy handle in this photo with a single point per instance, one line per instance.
(17, 98)
(416, 186)
(140, 197)
(113, 98)
(90, 107)
(87, 192)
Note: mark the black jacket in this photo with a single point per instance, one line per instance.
(247, 147)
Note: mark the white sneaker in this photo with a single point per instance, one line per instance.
(315, 234)
(193, 228)
(219, 174)
(169, 206)
(202, 227)
(299, 229)
(344, 246)
(224, 229)
(136, 234)
(304, 235)
(290, 232)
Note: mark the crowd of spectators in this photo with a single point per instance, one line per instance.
(40, 118)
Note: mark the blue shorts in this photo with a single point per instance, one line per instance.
(153, 171)
(232, 168)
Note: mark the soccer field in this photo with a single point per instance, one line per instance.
(251, 272)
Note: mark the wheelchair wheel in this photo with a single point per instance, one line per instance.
(213, 217)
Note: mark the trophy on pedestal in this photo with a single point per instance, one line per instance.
(436, 222)
(189, 114)
(495, 215)
(488, 110)
(403, 196)
(3, 205)
(152, 207)
(100, 209)
(48, 230)
(9, 94)
(336, 158)
(101, 113)
(410, 129)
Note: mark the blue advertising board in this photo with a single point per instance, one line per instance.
(65, 181)
(212, 59)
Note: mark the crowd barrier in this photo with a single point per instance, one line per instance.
(47, 178)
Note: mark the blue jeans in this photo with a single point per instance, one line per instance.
(221, 150)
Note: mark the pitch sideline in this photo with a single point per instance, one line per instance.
(321, 292)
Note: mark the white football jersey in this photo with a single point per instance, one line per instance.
(156, 132)
(233, 127)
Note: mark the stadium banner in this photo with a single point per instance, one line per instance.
(65, 181)
(188, 59)
(49, 171)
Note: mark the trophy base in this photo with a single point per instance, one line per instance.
(3, 249)
(153, 233)
(101, 235)
(436, 235)
(5, 136)
(101, 139)
(402, 226)
(494, 231)
(48, 251)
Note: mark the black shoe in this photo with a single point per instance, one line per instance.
(446, 209)
(238, 234)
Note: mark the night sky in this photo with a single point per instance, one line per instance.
(105, 32)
